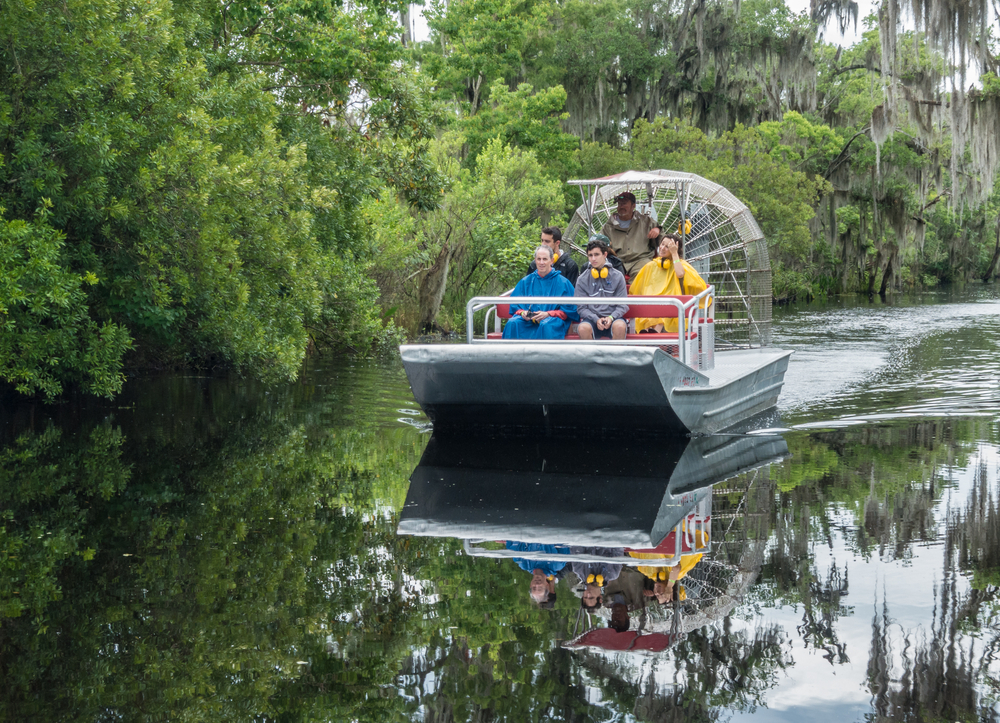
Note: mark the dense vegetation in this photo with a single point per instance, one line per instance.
(195, 183)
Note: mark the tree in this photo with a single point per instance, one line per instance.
(507, 190)
(476, 42)
(201, 170)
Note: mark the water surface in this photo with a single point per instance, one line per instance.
(212, 549)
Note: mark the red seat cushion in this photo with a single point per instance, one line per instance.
(651, 311)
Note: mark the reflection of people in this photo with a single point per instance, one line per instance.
(631, 234)
(595, 575)
(664, 590)
(542, 588)
(601, 279)
(626, 588)
(664, 579)
(564, 263)
(541, 321)
(667, 275)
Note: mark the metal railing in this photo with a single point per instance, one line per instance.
(474, 551)
(686, 542)
(689, 311)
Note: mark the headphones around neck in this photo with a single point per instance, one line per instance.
(555, 257)
(600, 274)
(663, 262)
(599, 579)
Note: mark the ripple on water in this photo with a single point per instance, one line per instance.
(369, 391)
(891, 362)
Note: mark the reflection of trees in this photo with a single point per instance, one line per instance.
(888, 478)
(919, 676)
(210, 553)
(213, 547)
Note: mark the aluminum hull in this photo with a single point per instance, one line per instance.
(571, 386)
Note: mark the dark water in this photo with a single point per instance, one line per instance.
(211, 549)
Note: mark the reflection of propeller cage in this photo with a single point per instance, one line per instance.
(725, 245)
(718, 582)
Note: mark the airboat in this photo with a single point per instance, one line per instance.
(717, 370)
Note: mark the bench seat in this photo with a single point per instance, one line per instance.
(666, 336)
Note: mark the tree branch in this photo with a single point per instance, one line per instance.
(856, 66)
(274, 62)
(842, 156)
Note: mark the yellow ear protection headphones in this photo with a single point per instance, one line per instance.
(550, 578)
(686, 225)
(601, 274)
(555, 257)
(662, 575)
(599, 579)
(663, 260)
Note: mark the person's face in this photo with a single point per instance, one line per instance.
(592, 595)
(661, 592)
(543, 262)
(539, 588)
(625, 209)
(547, 240)
(667, 247)
(597, 258)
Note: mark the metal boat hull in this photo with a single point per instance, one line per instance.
(573, 386)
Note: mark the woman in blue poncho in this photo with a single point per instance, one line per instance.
(541, 321)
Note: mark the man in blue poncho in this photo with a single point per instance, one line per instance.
(543, 572)
(541, 321)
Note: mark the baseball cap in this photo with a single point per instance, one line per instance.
(626, 196)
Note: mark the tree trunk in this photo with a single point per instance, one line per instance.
(405, 19)
(431, 290)
(477, 84)
(996, 255)
(872, 273)
(887, 275)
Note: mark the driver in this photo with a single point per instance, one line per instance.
(632, 234)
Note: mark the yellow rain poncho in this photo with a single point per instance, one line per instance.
(655, 279)
(687, 563)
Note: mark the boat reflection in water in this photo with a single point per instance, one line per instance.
(629, 528)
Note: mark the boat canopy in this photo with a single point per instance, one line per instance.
(723, 241)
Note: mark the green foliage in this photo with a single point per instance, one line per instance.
(201, 167)
(527, 120)
(476, 42)
(47, 336)
(470, 243)
(750, 163)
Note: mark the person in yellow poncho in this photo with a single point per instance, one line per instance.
(664, 578)
(666, 275)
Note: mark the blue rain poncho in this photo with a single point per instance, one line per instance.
(552, 284)
(549, 567)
